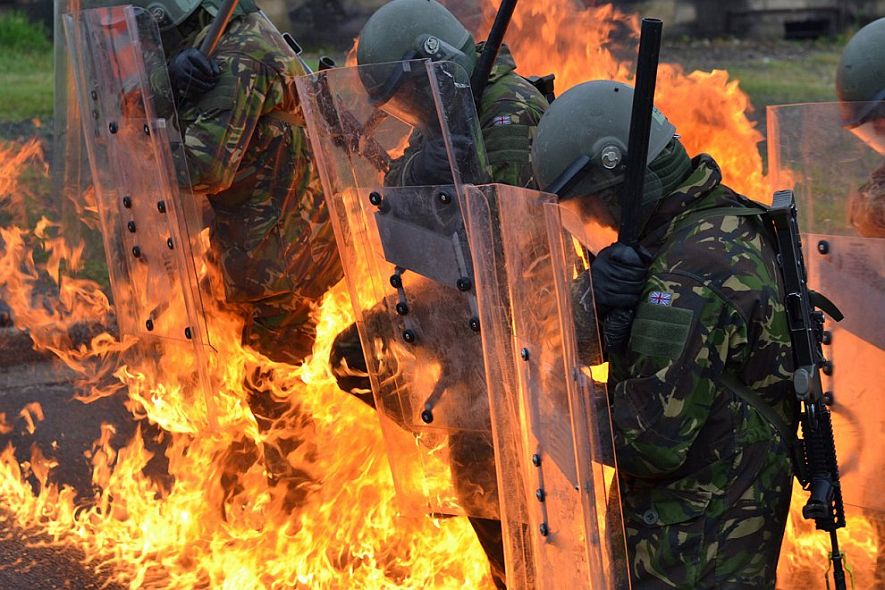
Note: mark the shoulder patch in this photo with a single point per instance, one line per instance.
(502, 120)
(660, 330)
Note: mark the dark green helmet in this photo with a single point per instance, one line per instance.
(169, 13)
(581, 141)
(404, 30)
(860, 78)
(172, 13)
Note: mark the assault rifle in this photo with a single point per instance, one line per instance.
(815, 462)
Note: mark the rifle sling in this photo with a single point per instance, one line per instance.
(755, 401)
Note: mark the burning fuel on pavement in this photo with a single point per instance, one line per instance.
(197, 487)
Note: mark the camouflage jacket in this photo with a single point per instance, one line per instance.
(706, 481)
(509, 112)
(867, 206)
(247, 150)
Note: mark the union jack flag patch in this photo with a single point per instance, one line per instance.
(502, 120)
(659, 298)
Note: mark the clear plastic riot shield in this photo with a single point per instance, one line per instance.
(149, 220)
(559, 502)
(408, 266)
(839, 182)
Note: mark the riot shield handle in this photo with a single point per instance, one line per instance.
(480, 78)
(219, 23)
(640, 129)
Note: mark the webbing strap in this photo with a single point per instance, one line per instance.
(755, 401)
(286, 117)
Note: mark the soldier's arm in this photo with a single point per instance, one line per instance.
(219, 127)
(508, 123)
(682, 336)
(399, 168)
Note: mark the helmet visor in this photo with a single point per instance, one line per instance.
(404, 93)
(872, 133)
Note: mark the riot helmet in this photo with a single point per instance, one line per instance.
(580, 148)
(173, 13)
(400, 32)
(860, 84)
(169, 13)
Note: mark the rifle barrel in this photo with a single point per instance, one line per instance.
(640, 128)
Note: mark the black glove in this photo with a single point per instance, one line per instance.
(618, 274)
(430, 166)
(192, 73)
(616, 330)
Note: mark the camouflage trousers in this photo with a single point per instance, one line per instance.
(280, 327)
(287, 430)
(720, 528)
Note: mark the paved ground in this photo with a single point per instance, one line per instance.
(66, 432)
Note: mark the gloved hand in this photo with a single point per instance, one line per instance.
(618, 274)
(616, 330)
(192, 73)
(430, 166)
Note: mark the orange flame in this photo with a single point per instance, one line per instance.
(187, 531)
(708, 110)
(172, 533)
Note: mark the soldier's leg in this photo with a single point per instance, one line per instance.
(472, 458)
(289, 436)
(488, 531)
(281, 328)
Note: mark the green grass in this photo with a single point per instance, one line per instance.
(26, 80)
(783, 81)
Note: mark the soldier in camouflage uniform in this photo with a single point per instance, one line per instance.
(860, 85)
(247, 152)
(706, 479)
(509, 111)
